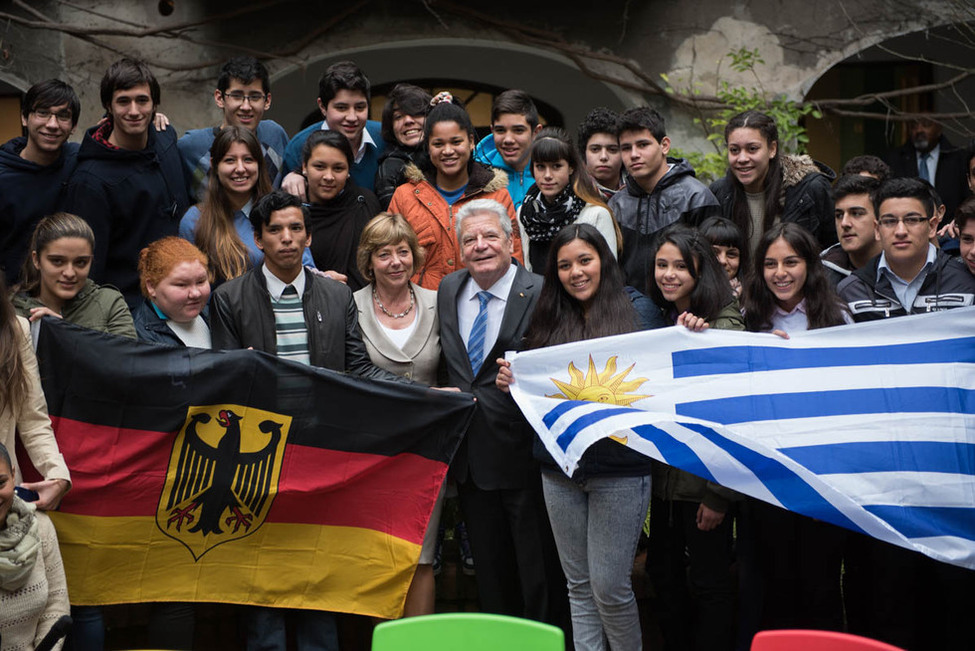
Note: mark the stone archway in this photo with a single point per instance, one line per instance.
(897, 62)
(552, 78)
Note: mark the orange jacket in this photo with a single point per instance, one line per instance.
(433, 219)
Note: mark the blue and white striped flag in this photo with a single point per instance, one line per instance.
(869, 426)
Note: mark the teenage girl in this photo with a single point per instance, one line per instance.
(219, 225)
(54, 279)
(597, 514)
(690, 531)
(729, 248)
(564, 193)
(764, 187)
(789, 564)
(446, 178)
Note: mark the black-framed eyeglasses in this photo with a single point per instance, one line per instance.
(239, 97)
(910, 221)
(64, 115)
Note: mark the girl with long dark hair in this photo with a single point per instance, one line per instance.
(339, 208)
(690, 532)
(789, 564)
(445, 178)
(764, 187)
(219, 225)
(564, 193)
(597, 514)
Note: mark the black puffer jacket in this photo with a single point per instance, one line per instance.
(806, 197)
(389, 175)
(678, 196)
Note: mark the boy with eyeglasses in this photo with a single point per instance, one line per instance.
(911, 275)
(243, 93)
(34, 167)
(893, 594)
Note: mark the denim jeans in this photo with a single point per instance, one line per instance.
(87, 629)
(315, 630)
(597, 525)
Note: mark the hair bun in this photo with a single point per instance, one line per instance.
(442, 96)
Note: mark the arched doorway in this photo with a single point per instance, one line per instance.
(563, 92)
(11, 92)
(928, 58)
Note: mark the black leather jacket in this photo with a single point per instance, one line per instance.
(241, 316)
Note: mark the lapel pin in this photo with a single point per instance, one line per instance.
(522, 294)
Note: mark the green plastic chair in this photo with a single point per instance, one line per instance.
(466, 632)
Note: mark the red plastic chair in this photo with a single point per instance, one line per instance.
(800, 640)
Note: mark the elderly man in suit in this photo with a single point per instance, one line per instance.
(484, 311)
(929, 156)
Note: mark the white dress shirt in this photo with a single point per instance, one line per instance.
(468, 306)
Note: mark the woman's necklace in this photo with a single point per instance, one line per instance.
(382, 307)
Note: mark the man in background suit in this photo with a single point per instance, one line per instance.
(484, 311)
(931, 157)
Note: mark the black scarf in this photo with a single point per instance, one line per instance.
(543, 221)
(336, 227)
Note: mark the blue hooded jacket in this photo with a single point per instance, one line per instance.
(518, 182)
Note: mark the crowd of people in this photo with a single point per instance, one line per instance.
(409, 251)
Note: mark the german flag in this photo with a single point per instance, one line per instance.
(237, 477)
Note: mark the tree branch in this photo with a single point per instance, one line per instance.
(74, 30)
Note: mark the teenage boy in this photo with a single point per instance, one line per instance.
(34, 167)
(893, 594)
(599, 144)
(129, 183)
(911, 275)
(343, 98)
(867, 165)
(856, 227)
(283, 309)
(514, 125)
(243, 94)
(965, 221)
(659, 191)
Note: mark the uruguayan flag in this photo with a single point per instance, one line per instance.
(869, 426)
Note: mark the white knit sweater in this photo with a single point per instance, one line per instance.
(27, 614)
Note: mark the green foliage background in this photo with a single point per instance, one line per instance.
(786, 112)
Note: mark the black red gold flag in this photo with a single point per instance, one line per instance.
(237, 477)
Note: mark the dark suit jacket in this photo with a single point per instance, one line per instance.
(497, 451)
(950, 180)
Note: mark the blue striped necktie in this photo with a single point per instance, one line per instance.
(923, 172)
(475, 343)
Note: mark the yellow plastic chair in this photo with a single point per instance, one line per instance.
(466, 632)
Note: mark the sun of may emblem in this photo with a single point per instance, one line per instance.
(609, 387)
